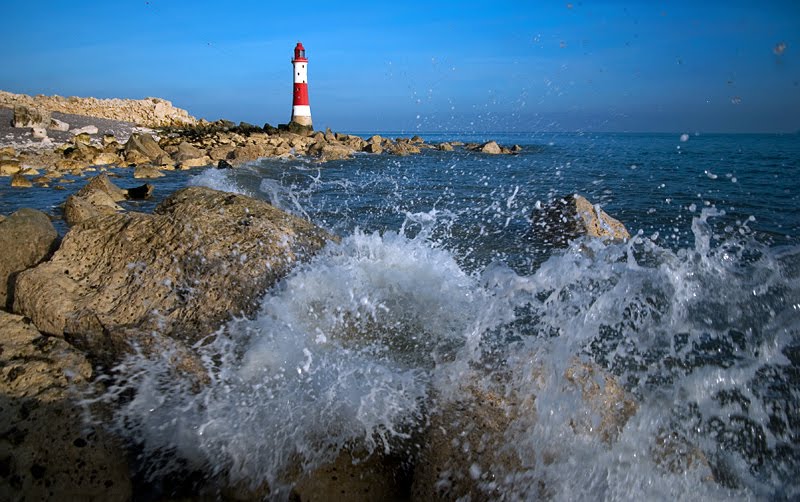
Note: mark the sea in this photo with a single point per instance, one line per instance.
(439, 290)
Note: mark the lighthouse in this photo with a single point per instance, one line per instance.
(301, 111)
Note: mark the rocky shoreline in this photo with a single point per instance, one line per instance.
(43, 145)
(122, 281)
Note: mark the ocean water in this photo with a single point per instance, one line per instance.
(439, 290)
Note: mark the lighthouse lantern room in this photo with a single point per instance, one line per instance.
(301, 111)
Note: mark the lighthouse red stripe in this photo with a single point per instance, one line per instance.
(300, 94)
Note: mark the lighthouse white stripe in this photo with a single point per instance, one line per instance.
(300, 74)
(301, 111)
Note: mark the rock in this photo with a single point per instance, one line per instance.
(147, 172)
(69, 165)
(58, 125)
(46, 450)
(402, 148)
(188, 152)
(27, 237)
(82, 138)
(197, 162)
(108, 139)
(20, 181)
(373, 147)
(79, 209)
(8, 151)
(335, 152)
(610, 401)
(141, 192)
(445, 147)
(221, 152)
(417, 139)
(25, 116)
(89, 129)
(570, 217)
(224, 164)
(144, 145)
(464, 454)
(490, 147)
(375, 140)
(516, 149)
(96, 198)
(38, 132)
(9, 167)
(203, 257)
(106, 159)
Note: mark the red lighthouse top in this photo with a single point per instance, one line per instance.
(299, 53)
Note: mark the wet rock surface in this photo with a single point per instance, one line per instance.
(572, 216)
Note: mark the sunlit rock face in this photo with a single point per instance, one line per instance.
(26, 237)
(203, 257)
(572, 216)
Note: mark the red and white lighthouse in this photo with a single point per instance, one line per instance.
(301, 111)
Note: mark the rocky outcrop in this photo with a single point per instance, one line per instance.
(27, 237)
(47, 452)
(572, 216)
(148, 112)
(203, 257)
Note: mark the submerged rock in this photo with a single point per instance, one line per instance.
(46, 450)
(570, 217)
(27, 237)
(203, 257)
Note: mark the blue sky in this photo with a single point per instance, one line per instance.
(437, 66)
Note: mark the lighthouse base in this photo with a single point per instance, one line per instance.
(302, 120)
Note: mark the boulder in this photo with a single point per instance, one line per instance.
(38, 132)
(25, 116)
(464, 454)
(144, 145)
(490, 147)
(188, 152)
(27, 237)
(47, 452)
(196, 162)
(224, 164)
(8, 151)
(203, 257)
(20, 181)
(81, 138)
(147, 172)
(9, 167)
(89, 129)
(96, 198)
(373, 147)
(445, 147)
(141, 192)
(223, 152)
(335, 152)
(108, 139)
(106, 159)
(58, 125)
(570, 217)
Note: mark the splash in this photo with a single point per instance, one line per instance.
(622, 371)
